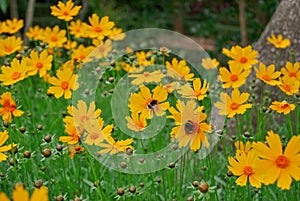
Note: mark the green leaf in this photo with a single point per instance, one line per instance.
(4, 6)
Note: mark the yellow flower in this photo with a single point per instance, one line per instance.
(144, 59)
(10, 45)
(268, 75)
(63, 84)
(179, 70)
(131, 68)
(39, 63)
(240, 146)
(147, 77)
(3, 139)
(289, 86)
(209, 63)
(282, 107)
(234, 77)
(190, 126)
(245, 167)
(278, 41)
(20, 194)
(197, 92)
(70, 45)
(13, 26)
(95, 133)
(13, 74)
(136, 122)
(235, 105)
(74, 134)
(99, 28)
(2, 27)
(116, 34)
(101, 48)
(80, 53)
(54, 37)
(291, 70)
(35, 33)
(78, 28)
(170, 86)
(9, 107)
(75, 149)
(146, 103)
(113, 147)
(242, 57)
(66, 11)
(280, 165)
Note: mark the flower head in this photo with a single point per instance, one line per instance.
(78, 28)
(13, 26)
(147, 77)
(289, 86)
(179, 70)
(116, 34)
(95, 133)
(8, 107)
(242, 57)
(136, 122)
(209, 63)
(199, 90)
(281, 165)
(234, 77)
(278, 41)
(74, 134)
(148, 104)
(13, 74)
(3, 139)
(291, 71)
(144, 58)
(54, 37)
(267, 75)
(113, 147)
(282, 107)
(239, 145)
(81, 53)
(10, 45)
(99, 28)
(63, 83)
(39, 63)
(233, 105)
(34, 33)
(66, 11)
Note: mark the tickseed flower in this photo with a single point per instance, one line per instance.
(199, 90)
(13, 26)
(144, 58)
(39, 63)
(234, 77)
(63, 83)
(147, 77)
(281, 165)
(242, 57)
(34, 33)
(96, 132)
(170, 86)
(267, 75)
(13, 74)
(136, 122)
(8, 107)
(146, 103)
(239, 145)
(54, 37)
(3, 138)
(21, 194)
(190, 126)
(2, 28)
(131, 68)
(78, 28)
(80, 53)
(74, 134)
(209, 63)
(245, 167)
(282, 107)
(75, 150)
(179, 70)
(113, 147)
(233, 105)
(291, 70)
(10, 45)
(289, 86)
(101, 48)
(66, 11)
(279, 41)
(70, 45)
(116, 34)
(99, 28)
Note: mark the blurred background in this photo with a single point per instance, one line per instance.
(212, 23)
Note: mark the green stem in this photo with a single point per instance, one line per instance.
(95, 177)
(289, 124)
(68, 32)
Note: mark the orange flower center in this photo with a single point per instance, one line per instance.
(94, 136)
(278, 42)
(39, 65)
(287, 87)
(64, 85)
(53, 38)
(293, 74)
(282, 161)
(248, 170)
(234, 106)
(190, 127)
(234, 77)
(98, 29)
(285, 106)
(82, 56)
(9, 107)
(146, 74)
(266, 77)
(15, 75)
(8, 48)
(84, 118)
(66, 13)
(243, 60)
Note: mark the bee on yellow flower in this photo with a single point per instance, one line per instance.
(66, 11)
(279, 41)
